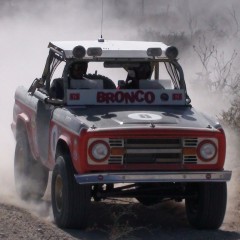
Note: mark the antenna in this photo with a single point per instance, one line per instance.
(102, 19)
(101, 39)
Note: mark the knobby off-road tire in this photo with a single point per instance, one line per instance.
(70, 201)
(31, 177)
(207, 208)
(107, 82)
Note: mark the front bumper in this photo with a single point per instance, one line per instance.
(151, 177)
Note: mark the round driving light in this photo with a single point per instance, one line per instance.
(79, 52)
(171, 52)
(99, 151)
(207, 150)
(154, 52)
(94, 51)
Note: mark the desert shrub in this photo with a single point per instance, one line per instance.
(232, 115)
(178, 39)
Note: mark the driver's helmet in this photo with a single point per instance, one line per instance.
(144, 71)
(77, 70)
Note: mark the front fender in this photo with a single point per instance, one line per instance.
(60, 147)
(22, 123)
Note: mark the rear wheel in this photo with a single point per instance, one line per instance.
(31, 177)
(70, 201)
(206, 208)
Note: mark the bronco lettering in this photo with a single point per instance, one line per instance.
(125, 97)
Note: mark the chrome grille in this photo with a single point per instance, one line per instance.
(159, 150)
(190, 159)
(115, 142)
(150, 151)
(115, 160)
(160, 143)
(190, 142)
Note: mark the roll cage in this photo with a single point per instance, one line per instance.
(58, 55)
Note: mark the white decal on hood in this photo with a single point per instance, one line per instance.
(145, 116)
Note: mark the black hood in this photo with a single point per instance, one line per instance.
(102, 117)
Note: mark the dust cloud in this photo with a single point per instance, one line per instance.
(27, 27)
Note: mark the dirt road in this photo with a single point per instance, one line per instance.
(114, 221)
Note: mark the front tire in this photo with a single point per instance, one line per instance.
(31, 177)
(70, 201)
(206, 208)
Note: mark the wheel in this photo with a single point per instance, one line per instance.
(31, 177)
(206, 208)
(70, 201)
(107, 82)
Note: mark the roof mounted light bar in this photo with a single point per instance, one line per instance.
(80, 52)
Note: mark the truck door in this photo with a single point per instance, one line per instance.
(43, 117)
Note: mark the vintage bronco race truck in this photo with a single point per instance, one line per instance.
(130, 132)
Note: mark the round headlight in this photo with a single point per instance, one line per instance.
(99, 151)
(207, 150)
